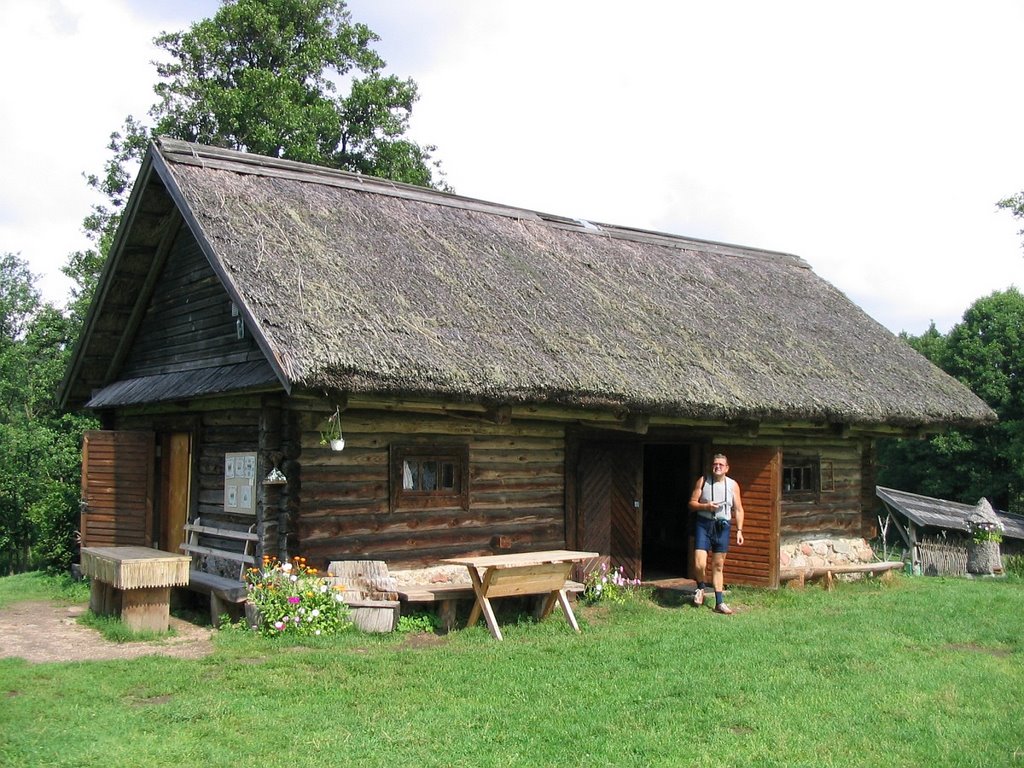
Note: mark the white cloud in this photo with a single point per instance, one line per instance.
(73, 72)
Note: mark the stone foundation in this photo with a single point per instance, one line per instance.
(821, 553)
(438, 574)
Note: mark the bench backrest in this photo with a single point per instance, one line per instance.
(209, 555)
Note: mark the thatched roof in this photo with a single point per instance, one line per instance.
(361, 285)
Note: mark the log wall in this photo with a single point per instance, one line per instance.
(836, 512)
(188, 323)
(516, 490)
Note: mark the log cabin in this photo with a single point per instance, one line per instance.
(504, 380)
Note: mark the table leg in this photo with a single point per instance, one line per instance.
(563, 600)
(482, 604)
(547, 605)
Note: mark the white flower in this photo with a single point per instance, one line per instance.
(323, 588)
(286, 567)
(293, 577)
(315, 612)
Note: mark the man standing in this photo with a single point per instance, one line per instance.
(715, 498)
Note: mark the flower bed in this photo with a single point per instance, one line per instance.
(292, 598)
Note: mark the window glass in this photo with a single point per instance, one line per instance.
(429, 477)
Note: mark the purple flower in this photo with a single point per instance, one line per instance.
(294, 599)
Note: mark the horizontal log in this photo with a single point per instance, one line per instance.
(818, 572)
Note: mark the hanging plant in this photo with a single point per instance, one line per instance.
(331, 434)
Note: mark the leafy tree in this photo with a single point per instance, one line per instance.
(985, 352)
(1015, 205)
(262, 76)
(39, 447)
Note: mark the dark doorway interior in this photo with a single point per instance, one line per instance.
(668, 480)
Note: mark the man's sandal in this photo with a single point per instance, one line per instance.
(698, 597)
(723, 608)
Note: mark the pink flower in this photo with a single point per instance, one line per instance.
(294, 599)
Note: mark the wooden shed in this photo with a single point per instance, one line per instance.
(506, 379)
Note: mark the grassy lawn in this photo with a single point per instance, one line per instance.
(918, 672)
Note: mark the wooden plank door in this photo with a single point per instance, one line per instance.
(175, 489)
(610, 487)
(757, 470)
(117, 488)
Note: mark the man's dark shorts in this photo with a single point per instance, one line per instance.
(711, 535)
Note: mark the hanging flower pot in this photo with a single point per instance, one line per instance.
(331, 434)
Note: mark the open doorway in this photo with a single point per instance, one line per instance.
(669, 474)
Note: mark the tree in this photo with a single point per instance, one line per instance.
(262, 76)
(985, 352)
(39, 446)
(1015, 205)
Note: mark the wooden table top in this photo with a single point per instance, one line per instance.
(126, 554)
(522, 559)
(135, 567)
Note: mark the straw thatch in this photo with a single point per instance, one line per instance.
(360, 285)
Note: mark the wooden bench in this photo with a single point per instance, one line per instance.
(797, 577)
(448, 595)
(226, 593)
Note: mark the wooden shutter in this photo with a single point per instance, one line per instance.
(117, 488)
(756, 470)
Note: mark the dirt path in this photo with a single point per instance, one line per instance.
(42, 631)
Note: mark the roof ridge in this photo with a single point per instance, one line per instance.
(177, 150)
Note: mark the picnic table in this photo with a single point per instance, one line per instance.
(135, 583)
(526, 573)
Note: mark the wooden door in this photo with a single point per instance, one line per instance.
(175, 488)
(117, 489)
(757, 470)
(610, 488)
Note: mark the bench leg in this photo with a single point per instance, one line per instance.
(446, 613)
(217, 607)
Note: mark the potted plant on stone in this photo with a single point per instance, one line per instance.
(986, 531)
(331, 434)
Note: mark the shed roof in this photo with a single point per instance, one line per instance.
(939, 513)
(356, 284)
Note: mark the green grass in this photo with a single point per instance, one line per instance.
(919, 672)
(38, 586)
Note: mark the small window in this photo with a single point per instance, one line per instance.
(801, 478)
(429, 477)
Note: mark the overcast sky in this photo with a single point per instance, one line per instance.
(872, 139)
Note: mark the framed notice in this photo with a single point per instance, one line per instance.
(239, 482)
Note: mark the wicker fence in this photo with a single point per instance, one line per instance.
(942, 557)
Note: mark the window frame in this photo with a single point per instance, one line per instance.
(403, 499)
(819, 473)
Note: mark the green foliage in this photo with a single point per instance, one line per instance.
(292, 599)
(260, 76)
(1014, 565)
(1015, 205)
(39, 445)
(418, 623)
(263, 76)
(985, 351)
